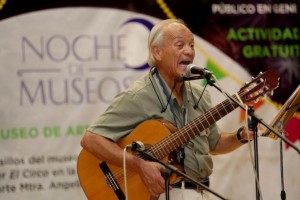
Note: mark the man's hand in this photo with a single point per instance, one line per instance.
(150, 173)
(244, 135)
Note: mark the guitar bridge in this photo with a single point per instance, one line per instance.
(111, 181)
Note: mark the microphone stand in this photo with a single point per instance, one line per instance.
(169, 169)
(167, 173)
(279, 126)
(254, 120)
(252, 123)
(282, 193)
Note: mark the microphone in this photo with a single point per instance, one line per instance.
(136, 146)
(193, 69)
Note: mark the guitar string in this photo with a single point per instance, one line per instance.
(195, 123)
(160, 146)
(156, 149)
(181, 138)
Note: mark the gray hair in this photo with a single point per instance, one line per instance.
(156, 36)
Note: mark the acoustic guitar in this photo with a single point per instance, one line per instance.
(101, 180)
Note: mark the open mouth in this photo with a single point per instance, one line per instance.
(185, 63)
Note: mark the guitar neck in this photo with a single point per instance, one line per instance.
(192, 129)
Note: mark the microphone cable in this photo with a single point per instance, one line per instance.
(249, 145)
(124, 170)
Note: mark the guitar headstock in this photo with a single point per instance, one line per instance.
(261, 85)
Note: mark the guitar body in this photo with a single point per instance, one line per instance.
(92, 178)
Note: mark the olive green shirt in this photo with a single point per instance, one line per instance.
(144, 100)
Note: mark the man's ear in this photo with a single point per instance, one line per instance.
(156, 52)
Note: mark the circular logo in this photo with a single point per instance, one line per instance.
(133, 36)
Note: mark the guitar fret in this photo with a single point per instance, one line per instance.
(179, 140)
(187, 133)
(205, 123)
(220, 116)
(178, 144)
(223, 110)
(197, 126)
(233, 105)
(195, 130)
(159, 154)
(184, 137)
(210, 118)
(182, 140)
(213, 118)
(170, 145)
(202, 126)
(164, 151)
(190, 128)
(189, 137)
(156, 150)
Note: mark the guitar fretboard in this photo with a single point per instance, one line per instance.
(192, 129)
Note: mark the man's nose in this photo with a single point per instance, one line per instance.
(189, 50)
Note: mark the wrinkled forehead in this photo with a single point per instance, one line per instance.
(177, 31)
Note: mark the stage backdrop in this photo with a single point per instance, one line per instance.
(60, 69)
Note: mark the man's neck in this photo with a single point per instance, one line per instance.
(177, 91)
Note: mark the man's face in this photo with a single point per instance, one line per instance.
(177, 50)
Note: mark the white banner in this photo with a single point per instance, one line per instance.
(59, 70)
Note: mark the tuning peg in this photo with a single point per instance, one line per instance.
(271, 93)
